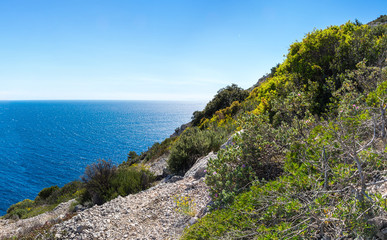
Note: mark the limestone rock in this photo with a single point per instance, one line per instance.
(159, 166)
(198, 169)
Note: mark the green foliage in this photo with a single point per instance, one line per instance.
(97, 179)
(130, 180)
(68, 191)
(197, 117)
(104, 181)
(193, 144)
(46, 200)
(296, 206)
(325, 54)
(257, 153)
(227, 176)
(224, 98)
(157, 150)
(132, 158)
(20, 206)
(321, 118)
(46, 192)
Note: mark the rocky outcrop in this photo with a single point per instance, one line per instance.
(159, 166)
(198, 169)
(10, 228)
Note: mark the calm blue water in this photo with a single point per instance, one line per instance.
(45, 143)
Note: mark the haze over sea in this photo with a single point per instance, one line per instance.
(45, 143)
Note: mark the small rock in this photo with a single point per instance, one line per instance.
(81, 228)
(174, 179)
(382, 234)
(201, 172)
(193, 221)
(79, 208)
(378, 222)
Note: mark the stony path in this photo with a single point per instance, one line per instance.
(149, 214)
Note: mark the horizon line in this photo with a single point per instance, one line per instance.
(41, 100)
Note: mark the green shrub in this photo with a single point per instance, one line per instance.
(65, 193)
(20, 209)
(46, 192)
(104, 181)
(97, 179)
(20, 212)
(224, 98)
(25, 204)
(130, 180)
(257, 153)
(47, 200)
(193, 144)
(227, 176)
(311, 117)
(133, 158)
(157, 150)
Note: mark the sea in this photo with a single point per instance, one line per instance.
(46, 143)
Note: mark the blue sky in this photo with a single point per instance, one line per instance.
(153, 50)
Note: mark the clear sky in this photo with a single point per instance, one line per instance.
(154, 50)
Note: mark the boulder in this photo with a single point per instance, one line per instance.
(197, 171)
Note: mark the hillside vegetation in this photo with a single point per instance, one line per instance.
(312, 152)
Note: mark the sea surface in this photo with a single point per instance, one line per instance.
(46, 143)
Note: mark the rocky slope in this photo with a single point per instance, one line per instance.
(150, 214)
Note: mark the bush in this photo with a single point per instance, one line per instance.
(97, 179)
(257, 153)
(46, 192)
(27, 203)
(193, 144)
(133, 158)
(130, 180)
(104, 181)
(227, 176)
(157, 150)
(47, 200)
(224, 98)
(65, 193)
(20, 209)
